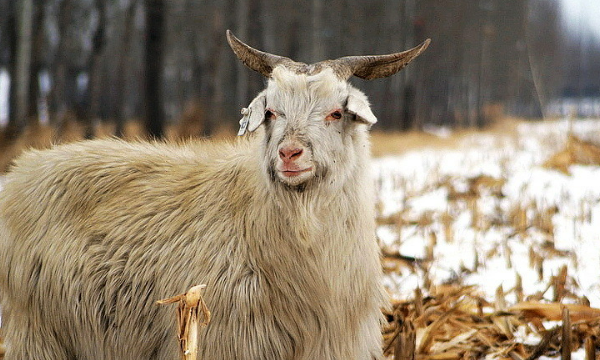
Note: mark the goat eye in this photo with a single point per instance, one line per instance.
(336, 115)
(270, 115)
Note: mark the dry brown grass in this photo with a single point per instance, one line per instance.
(393, 143)
(576, 151)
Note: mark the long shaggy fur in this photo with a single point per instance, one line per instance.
(93, 233)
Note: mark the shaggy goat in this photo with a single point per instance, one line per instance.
(280, 226)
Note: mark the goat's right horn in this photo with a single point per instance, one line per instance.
(376, 66)
(256, 60)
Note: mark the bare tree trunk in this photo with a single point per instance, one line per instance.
(35, 68)
(21, 76)
(94, 86)
(154, 51)
(413, 101)
(60, 101)
(318, 48)
(87, 105)
(6, 25)
(125, 52)
(11, 39)
(242, 29)
(214, 68)
(485, 62)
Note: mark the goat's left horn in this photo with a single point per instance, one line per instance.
(376, 66)
(256, 60)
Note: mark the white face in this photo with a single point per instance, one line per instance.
(313, 126)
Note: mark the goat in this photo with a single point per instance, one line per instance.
(279, 225)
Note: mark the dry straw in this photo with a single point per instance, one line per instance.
(192, 313)
(454, 322)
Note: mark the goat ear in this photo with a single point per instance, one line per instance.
(254, 114)
(358, 105)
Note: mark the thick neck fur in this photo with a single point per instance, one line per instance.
(308, 245)
(310, 208)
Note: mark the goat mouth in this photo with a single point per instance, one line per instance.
(293, 173)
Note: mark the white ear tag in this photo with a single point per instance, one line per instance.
(244, 121)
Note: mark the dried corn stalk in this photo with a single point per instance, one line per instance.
(453, 322)
(554, 311)
(189, 312)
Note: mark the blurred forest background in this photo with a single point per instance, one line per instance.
(106, 63)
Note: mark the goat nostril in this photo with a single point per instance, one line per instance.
(290, 153)
(296, 153)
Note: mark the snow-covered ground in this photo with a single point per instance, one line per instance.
(487, 211)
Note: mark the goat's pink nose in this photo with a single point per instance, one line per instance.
(290, 153)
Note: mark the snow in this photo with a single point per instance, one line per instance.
(416, 186)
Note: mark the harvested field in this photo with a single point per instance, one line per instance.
(489, 251)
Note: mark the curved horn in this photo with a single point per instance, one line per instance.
(256, 60)
(376, 66)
